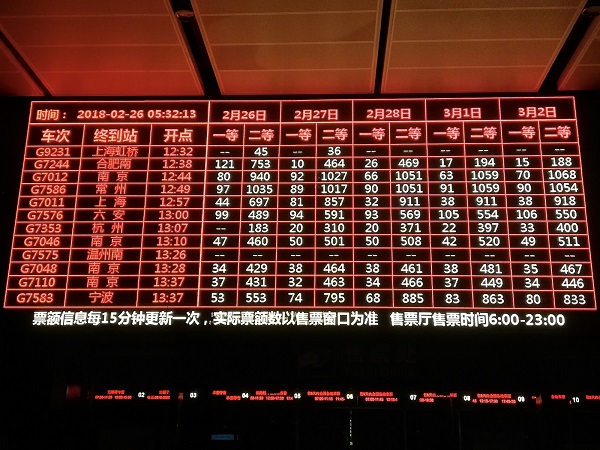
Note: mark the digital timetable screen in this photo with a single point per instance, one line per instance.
(399, 205)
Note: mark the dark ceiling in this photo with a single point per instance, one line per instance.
(288, 47)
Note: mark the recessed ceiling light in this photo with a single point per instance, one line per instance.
(592, 11)
(184, 14)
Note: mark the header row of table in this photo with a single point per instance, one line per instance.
(410, 133)
(333, 110)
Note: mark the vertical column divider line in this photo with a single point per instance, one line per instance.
(547, 212)
(506, 209)
(74, 221)
(429, 209)
(204, 205)
(142, 235)
(391, 212)
(353, 210)
(315, 213)
(240, 222)
(467, 214)
(278, 185)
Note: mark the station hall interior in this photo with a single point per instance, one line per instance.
(128, 50)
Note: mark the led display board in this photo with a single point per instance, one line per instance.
(461, 205)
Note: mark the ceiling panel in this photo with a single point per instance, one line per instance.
(260, 47)
(240, 29)
(55, 8)
(481, 24)
(120, 83)
(474, 45)
(287, 47)
(427, 54)
(462, 79)
(102, 48)
(261, 7)
(583, 70)
(282, 82)
(14, 80)
(105, 58)
(306, 56)
(57, 32)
